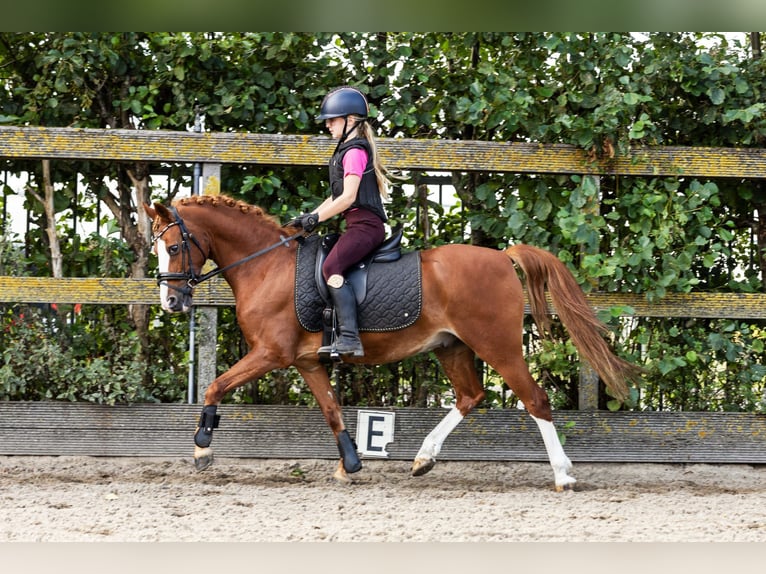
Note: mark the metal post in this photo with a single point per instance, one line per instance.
(191, 399)
(5, 201)
(755, 42)
(192, 335)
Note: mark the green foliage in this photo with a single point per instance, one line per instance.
(603, 92)
(65, 356)
(700, 365)
(562, 431)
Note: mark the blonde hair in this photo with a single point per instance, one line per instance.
(381, 173)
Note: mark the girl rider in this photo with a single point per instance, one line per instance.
(357, 184)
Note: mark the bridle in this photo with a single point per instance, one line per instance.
(190, 276)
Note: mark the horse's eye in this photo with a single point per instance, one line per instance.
(173, 249)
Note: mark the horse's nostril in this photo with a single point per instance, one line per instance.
(172, 301)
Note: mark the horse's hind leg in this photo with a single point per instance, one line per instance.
(457, 360)
(515, 372)
(559, 460)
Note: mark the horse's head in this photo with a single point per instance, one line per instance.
(180, 257)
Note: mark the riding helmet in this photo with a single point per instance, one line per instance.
(344, 101)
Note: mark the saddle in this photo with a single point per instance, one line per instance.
(388, 251)
(387, 286)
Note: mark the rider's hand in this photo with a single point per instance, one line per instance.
(307, 221)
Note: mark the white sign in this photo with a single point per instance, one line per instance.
(374, 430)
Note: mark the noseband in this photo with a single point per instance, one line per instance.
(191, 277)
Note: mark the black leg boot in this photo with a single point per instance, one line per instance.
(348, 342)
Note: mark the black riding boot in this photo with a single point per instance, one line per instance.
(348, 342)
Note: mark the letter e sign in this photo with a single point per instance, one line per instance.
(374, 430)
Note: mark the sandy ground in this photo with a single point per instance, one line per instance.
(70, 499)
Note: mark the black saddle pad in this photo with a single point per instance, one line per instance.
(394, 293)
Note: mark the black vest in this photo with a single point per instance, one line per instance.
(368, 195)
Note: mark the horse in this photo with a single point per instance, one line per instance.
(472, 305)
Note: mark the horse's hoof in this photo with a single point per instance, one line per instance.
(566, 487)
(203, 458)
(340, 474)
(341, 477)
(422, 465)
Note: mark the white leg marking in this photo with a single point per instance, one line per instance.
(435, 439)
(163, 260)
(559, 460)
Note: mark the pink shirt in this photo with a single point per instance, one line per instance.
(354, 162)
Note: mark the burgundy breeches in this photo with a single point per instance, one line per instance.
(364, 232)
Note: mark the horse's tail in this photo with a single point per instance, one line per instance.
(542, 269)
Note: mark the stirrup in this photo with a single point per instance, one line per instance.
(329, 352)
(355, 349)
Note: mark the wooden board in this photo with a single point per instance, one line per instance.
(401, 154)
(260, 431)
(102, 291)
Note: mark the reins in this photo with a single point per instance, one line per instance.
(193, 279)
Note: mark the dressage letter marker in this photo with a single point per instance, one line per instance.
(374, 430)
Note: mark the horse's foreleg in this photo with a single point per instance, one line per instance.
(457, 361)
(203, 453)
(248, 368)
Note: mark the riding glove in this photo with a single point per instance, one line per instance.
(308, 221)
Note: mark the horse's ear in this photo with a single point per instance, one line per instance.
(158, 210)
(150, 211)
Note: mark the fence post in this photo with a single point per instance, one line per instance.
(207, 317)
(588, 380)
(587, 394)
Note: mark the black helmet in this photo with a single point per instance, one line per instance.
(341, 102)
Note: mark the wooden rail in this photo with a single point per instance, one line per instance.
(164, 146)
(262, 431)
(106, 291)
(404, 154)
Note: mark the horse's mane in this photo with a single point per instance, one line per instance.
(227, 202)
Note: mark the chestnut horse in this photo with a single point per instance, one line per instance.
(472, 304)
